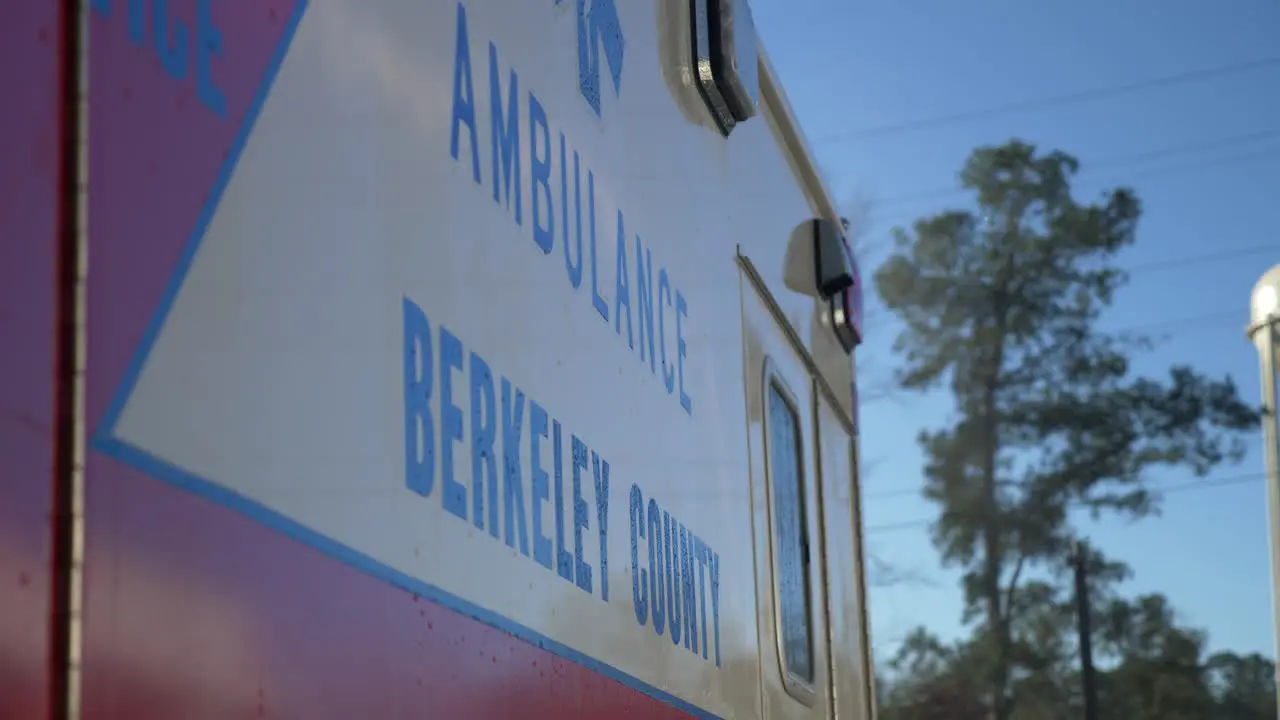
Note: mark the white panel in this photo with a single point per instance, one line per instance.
(278, 382)
(280, 372)
(843, 550)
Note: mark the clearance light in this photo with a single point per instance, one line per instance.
(846, 306)
(836, 281)
(726, 60)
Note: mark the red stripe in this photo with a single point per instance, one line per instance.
(198, 612)
(29, 157)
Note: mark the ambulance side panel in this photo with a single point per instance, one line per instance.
(416, 376)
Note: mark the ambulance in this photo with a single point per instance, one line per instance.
(378, 359)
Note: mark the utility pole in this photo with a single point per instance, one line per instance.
(1079, 561)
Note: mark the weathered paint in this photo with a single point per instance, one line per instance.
(282, 225)
(30, 40)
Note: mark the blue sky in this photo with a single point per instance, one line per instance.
(1202, 155)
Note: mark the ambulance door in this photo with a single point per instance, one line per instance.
(843, 561)
(794, 673)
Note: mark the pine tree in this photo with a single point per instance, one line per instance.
(1001, 305)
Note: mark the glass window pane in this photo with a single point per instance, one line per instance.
(792, 573)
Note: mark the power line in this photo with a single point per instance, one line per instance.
(1211, 484)
(1188, 261)
(918, 491)
(1182, 323)
(893, 494)
(1066, 99)
(1110, 178)
(1154, 172)
(1230, 141)
(1247, 251)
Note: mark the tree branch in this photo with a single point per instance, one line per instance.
(1012, 587)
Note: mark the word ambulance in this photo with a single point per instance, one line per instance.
(662, 344)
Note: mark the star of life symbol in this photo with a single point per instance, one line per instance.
(599, 28)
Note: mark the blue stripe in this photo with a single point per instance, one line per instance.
(105, 442)
(108, 424)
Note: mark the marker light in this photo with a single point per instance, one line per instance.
(846, 307)
(726, 60)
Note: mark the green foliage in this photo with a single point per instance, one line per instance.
(1000, 306)
(1160, 673)
(1150, 668)
(1243, 687)
(932, 681)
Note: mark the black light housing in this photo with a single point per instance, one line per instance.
(846, 307)
(837, 281)
(831, 259)
(819, 263)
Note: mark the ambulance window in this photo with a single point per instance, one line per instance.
(791, 535)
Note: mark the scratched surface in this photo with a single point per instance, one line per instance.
(29, 115)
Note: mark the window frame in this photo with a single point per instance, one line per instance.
(802, 689)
